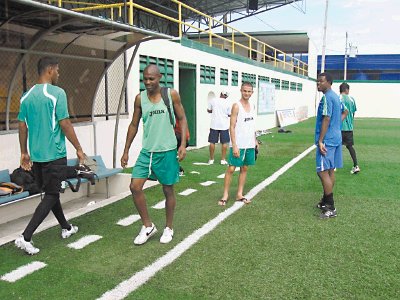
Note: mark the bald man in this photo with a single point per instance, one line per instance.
(158, 159)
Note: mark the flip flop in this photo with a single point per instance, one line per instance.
(244, 200)
(222, 202)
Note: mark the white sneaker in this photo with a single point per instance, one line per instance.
(167, 235)
(224, 162)
(26, 246)
(211, 161)
(66, 233)
(144, 234)
(355, 170)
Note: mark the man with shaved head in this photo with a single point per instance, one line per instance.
(158, 159)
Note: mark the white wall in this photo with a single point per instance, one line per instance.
(374, 99)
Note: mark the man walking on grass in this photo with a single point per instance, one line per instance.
(158, 159)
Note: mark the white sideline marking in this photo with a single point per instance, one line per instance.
(128, 286)
(200, 164)
(207, 183)
(223, 174)
(187, 192)
(128, 220)
(195, 172)
(23, 271)
(83, 242)
(159, 205)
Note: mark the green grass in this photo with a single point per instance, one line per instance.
(275, 248)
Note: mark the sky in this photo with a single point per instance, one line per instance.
(372, 25)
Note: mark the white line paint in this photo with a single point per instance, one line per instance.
(194, 172)
(128, 220)
(223, 174)
(23, 271)
(159, 205)
(128, 286)
(207, 183)
(187, 192)
(200, 164)
(83, 242)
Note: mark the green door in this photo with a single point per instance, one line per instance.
(187, 90)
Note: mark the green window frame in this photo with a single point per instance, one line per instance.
(235, 78)
(250, 78)
(263, 78)
(293, 86)
(285, 85)
(207, 74)
(224, 77)
(277, 83)
(299, 87)
(165, 65)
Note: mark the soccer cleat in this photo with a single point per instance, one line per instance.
(224, 162)
(66, 233)
(144, 234)
(328, 213)
(167, 235)
(321, 205)
(181, 171)
(211, 161)
(26, 246)
(83, 171)
(355, 170)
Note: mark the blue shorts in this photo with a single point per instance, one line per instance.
(247, 157)
(332, 159)
(218, 135)
(161, 166)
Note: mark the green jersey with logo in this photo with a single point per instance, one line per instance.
(42, 107)
(350, 104)
(158, 133)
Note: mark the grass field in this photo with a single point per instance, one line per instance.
(274, 248)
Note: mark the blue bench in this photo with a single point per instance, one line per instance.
(5, 177)
(102, 171)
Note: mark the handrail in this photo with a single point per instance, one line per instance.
(295, 64)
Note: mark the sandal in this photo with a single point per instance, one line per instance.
(222, 202)
(244, 200)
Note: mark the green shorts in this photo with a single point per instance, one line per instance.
(247, 158)
(161, 166)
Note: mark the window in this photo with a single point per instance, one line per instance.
(207, 74)
(235, 78)
(293, 86)
(166, 67)
(250, 78)
(285, 85)
(277, 83)
(224, 77)
(263, 78)
(299, 87)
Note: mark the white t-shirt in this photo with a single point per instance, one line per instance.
(221, 110)
(245, 128)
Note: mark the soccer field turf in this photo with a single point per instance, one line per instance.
(274, 248)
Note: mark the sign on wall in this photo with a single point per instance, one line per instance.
(266, 98)
(286, 117)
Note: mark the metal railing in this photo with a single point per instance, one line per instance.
(263, 52)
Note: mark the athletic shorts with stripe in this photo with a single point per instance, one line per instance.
(247, 157)
(331, 160)
(161, 166)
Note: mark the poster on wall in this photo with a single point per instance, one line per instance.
(266, 98)
(286, 117)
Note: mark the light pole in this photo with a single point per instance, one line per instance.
(324, 38)
(352, 53)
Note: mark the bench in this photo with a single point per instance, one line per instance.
(102, 171)
(5, 177)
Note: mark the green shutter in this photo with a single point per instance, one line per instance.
(224, 77)
(235, 78)
(166, 67)
(207, 74)
(277, 83)
(285, 85)
(250, 78)
(293, 86)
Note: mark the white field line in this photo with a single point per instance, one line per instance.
(223, 174)
(128, 286)
(23, 271)
(200, 164)
(207, 183)
(128, 220)
(83, 242)
(187, 192)
(159, 205)
(194, 172)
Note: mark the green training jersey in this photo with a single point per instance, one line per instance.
(350, 104)
(158, 133)
(42, 107)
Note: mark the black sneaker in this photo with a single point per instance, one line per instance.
(83, 171)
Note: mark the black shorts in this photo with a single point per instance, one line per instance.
(347, 138)
(48, 175)
(218, 135)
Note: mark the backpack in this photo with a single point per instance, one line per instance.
(26, 180)
(176, 126)
(10, 188)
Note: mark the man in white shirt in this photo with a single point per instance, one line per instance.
(220, 110)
